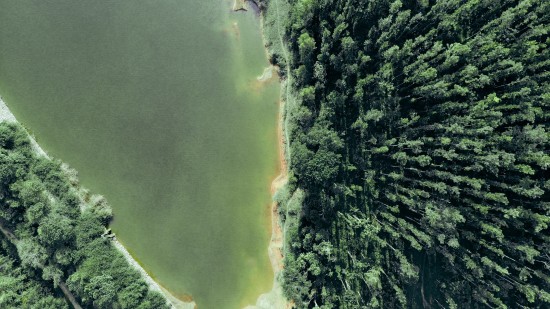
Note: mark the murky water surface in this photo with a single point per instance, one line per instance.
(156, 104)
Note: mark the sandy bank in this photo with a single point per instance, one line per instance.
(6, 115)
(153, 285)
(267, 74)
(275, 299)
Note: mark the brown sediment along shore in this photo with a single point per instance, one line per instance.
(275, 299)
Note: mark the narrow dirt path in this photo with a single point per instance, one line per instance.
(287, 83)
(275, 299)
(68, 295)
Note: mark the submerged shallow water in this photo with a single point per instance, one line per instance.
(156, 104)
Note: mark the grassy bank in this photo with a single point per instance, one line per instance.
(286, 198)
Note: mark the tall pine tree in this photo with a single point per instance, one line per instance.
(420, 141)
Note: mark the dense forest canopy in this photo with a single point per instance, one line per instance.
(52, 244)
(419, 149)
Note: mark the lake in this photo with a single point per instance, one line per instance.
(157, 106)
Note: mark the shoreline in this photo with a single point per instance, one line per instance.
(7, 115)
(175, 302)
(274, 299)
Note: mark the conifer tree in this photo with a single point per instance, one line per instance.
(421, 143)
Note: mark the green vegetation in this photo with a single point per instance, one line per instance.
(419, 152)
(157, 105)
(51, 243)
(24, 288)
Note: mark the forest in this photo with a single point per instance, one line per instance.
(419, 152)
(53, 249)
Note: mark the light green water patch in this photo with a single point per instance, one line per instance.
(157, 105)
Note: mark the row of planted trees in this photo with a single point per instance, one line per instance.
(421, 142)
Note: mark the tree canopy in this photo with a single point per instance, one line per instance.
(419, 138)
(52, 237)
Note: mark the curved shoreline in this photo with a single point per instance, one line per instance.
(7, 115)
(275, 299)
(153, 285)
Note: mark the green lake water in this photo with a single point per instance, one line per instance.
(157, 106)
